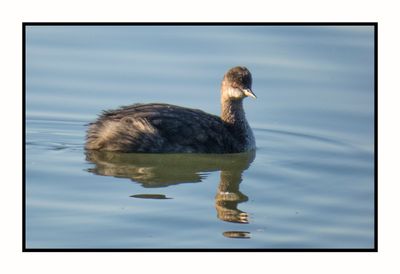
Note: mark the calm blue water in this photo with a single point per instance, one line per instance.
(310, 183)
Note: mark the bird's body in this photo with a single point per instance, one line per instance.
(165, 128)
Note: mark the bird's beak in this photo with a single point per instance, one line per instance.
(249, 93)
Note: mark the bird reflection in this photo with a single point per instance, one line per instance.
(162, 170)
(228, 197)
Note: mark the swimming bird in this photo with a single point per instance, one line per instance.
(165, 128)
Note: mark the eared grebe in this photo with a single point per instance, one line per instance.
(159, 128)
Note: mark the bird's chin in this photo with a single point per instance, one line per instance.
(235, 93)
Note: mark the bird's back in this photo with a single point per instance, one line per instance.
(160, 128)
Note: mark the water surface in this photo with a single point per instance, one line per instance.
(310, 183)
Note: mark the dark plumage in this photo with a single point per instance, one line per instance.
(170, 128)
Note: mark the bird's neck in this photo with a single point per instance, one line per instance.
(233, 116)
(232, 112)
